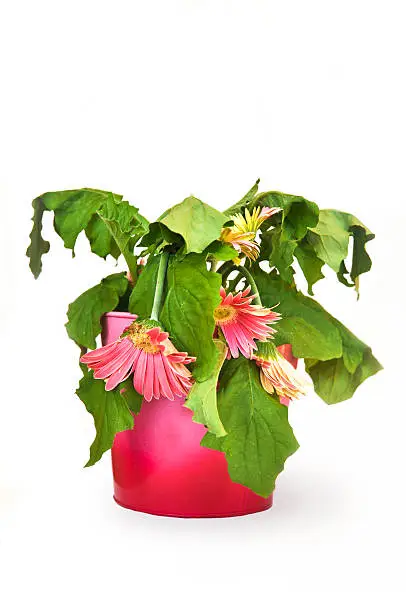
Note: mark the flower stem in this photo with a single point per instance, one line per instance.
(252, 282)
(213, 263)
(160, 281)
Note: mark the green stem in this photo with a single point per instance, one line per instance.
(160, 281)
(252, 282)
(225, 268)
(213, 263)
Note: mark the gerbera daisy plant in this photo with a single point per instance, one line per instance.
(214, 304)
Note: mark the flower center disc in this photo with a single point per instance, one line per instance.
(224, 314)
(141, 339)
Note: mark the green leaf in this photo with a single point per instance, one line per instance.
(110, 413)
(330, 240)
(304, 324)
(310, 264)
(221, 251)
(282, 255)
(198, 223)
(298, 215)
(100, 238)
(111, 225)
(336, 360)
(187, 313)
(334, 383)
(245, 200)
(202, 399)
(126, 218)
(158, 237)
(73, 210)
(142, 296)
(85, 312)
(38, 246)
(259, 438)
(337, 380)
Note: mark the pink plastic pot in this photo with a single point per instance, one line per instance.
(160, 468)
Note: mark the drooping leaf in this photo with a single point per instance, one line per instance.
(73, 210)
(334, 383)
(126, 218)
(38, 246)
(198, 223)
(86, 209)
(85, 312)
(335, 358)
(100, 238)
(202, 398)
(361, 261)
(158, 237)
(330, 240)
(309, 262)
(245, 200)
(142, 296)
(337, 380)
(342, 275)
(298, 215)
(110, 412)
(187, 314)
(259, 438)
(304, 324)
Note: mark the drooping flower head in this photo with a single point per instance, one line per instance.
(277, 374)
(145, 351)
(242, 234)
(243, 322)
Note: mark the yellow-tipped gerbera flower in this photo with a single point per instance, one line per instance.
(242, 234)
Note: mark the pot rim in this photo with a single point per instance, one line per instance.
(119, 315)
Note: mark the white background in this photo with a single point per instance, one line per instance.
(156, 100)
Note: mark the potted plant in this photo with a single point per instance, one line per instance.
(201, 335)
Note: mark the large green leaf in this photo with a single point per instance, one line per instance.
(85, 312)
(38, 246)
(337, 361)
(111, 225)
(334, 383)
(158, 237)
(280, 242)
(187, 314)
(330, 241)
(336, 380)
(198, 223)
(202, 399)
(259, 438)
(142, 296)
(305, 324)
(100, 238)
(110, 412)
(73, 210)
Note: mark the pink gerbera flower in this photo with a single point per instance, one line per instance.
(242, 322)
(277, 374)
(145, 351)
